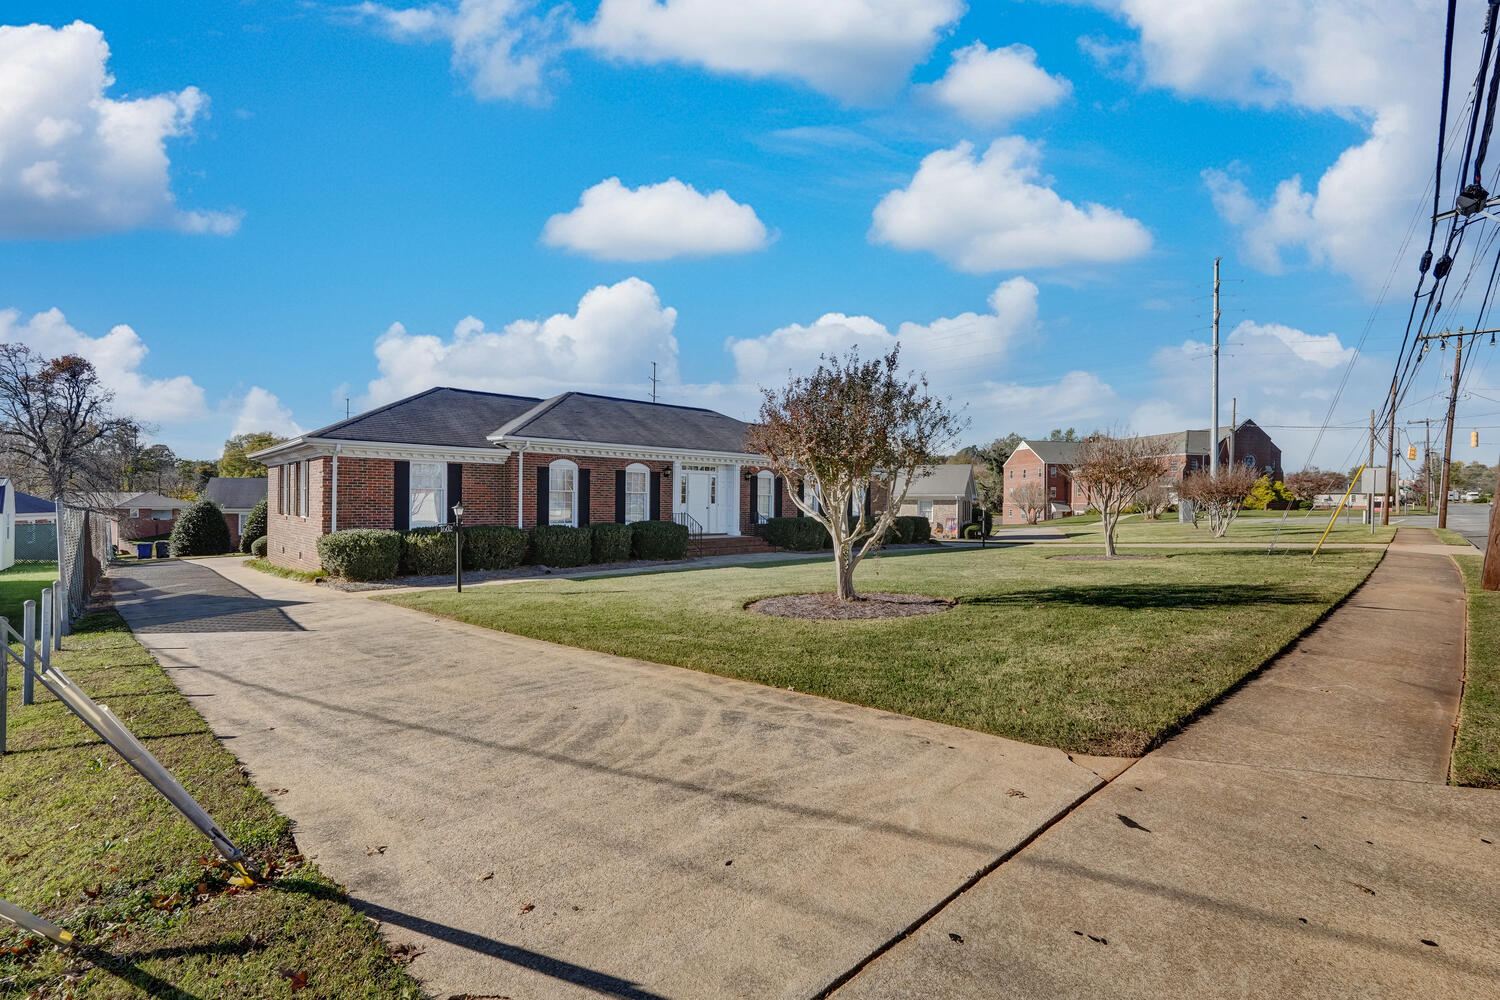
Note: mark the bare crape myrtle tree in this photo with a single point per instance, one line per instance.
(1111, 472)
(1220, 496)
(849, 428)
(1032, 500)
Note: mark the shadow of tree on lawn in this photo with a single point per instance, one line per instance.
(1141, 596)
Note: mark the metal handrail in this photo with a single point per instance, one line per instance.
(689, 522)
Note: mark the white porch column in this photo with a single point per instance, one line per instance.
(732, 516)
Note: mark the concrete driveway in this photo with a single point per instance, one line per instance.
(550, 822)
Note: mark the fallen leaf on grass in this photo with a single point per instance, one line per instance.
(405, 954)
(375, 849)
(528, 907)
(485, 877)
(1363, 887)
(1015, 793)
(294, 980)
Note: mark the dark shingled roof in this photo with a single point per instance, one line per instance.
(235, 494)
(581, 416)
(453, 417)
(28, 504)
(1054, 452)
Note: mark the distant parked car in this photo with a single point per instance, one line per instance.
(1472, 496)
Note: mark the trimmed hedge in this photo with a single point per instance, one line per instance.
(361, 553)
(201, 531)
(972, 531)
(800, 534)
(255, 526)
(493, 547)
(609, 542)
(258, 547)
(921, 528)
(560, 545)
(658, 540)
(426, 552)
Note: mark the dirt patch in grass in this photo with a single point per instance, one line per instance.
(827, 607)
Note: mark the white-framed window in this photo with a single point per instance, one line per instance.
(637, 493)
(303, 506)
(683, 490)
(924, 509)
(426, 484)
(765, 501)
(1023, 473)
(1250, 461)
(562, 492)
(135, 512)
(1052, 492)
(1052, 471)
(281, 494)
(161, 515)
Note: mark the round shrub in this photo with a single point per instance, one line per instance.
(258, 547)
(426, 552)
(658, 540)
(921, 529)
(800, 534)
(560, 545)
(361, 553)
(610, 543)
(493, 547)
(255, 526)
(972, 531)
(201, 531)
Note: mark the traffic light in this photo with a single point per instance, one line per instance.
(1411, 453)
(1473, 439)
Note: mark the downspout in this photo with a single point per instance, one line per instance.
(521, 484)
(334, 526)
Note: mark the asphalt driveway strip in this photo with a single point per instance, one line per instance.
(550, 822)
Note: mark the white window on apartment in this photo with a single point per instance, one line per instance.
(765, 502)
(637, 493)
(304, 508)
(562, 493)
(1023, 473)
(1052, 471)
(427, 482)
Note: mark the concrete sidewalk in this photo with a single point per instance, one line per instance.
(1297, 842)
(551, 822)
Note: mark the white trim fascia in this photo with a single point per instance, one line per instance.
(601, 449)
(304, 448)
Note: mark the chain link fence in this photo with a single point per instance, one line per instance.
(82, 553)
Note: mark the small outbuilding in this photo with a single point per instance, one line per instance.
(944, 494)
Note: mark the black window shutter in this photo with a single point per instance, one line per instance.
(777, 485)
(868, 491)
(401, 508)
(543, 485)
(619, 496)
(655, 499)
(455, 488)
(801, 494)
(583, 497)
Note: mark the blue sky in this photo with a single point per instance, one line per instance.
(342, 169)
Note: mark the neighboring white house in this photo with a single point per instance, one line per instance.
(944, 494)
(8, 520)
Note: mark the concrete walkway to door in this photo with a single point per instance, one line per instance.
(1296, 842)
(550, 822)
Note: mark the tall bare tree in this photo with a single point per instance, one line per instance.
(850, 427)
(1032, 498)
(55, 415)
(1312, 482)
(1154, 499)
(1110, 472)
(1221, 497)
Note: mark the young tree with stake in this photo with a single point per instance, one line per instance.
(850, 427)
(1110, 472)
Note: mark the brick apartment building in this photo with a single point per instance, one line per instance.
(1181, 452)
(574, 459)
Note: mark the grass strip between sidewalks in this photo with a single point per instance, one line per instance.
(1476, 750)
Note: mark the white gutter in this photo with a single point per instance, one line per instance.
(520, 451)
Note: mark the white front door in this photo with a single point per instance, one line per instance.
(703, 500)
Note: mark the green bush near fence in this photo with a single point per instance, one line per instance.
(559, 545)
(361, 553)
(800, 534)
(610, 543)
(493, 547)
(658, 540)
(201, 531)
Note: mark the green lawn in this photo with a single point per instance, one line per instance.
(267, 566)
(87, 843)
(1450, 537)
(1087, 656)
(21, 583)
(1476, 750)
(1252, 528)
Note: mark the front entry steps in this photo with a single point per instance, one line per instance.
(727, 545)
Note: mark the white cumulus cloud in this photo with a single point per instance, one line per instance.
(74, 161)
(117, 357)
(997, 213)
(851, 49)
(993, 86)
(655, 222)
(261, 410)
(1334, 56)
(608, 343)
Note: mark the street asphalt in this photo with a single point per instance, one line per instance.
(1472, 520)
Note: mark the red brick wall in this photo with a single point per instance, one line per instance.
(292, 540)
(144, 526)
(232, 522)
(601, 486)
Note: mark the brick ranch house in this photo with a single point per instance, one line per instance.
(236, 497)
(130, 516)
(574, 459)
(1182, 453)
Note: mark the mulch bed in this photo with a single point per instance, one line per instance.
(1103, 558)
(874, 605)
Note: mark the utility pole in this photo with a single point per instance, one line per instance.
(653, 381)
(1370, 470)
(1213, 444)
(1426, 457)
(1390, 460)
(1489, 576)
(1458, 338)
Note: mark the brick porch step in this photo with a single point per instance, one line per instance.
(728, 545)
